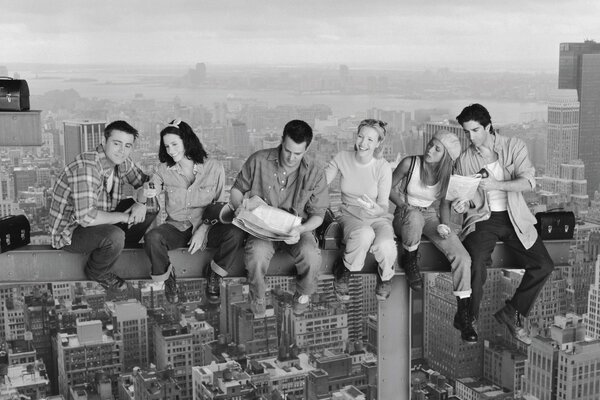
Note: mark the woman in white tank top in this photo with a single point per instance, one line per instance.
(425, 182)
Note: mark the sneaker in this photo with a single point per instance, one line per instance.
(341, 282)
(383, 289)
(171, 288)
(258, 307)
(213, 286)
(511, 318)
(411, 268)
(301, 303)
(112, 282)
(463, 321)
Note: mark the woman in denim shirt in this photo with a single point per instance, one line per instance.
(190, 182)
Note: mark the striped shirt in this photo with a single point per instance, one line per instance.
(81, 191)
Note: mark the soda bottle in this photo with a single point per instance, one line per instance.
(152, 205)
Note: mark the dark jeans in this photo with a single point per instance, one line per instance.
(226, 239)
(536, 261)
(105, 242)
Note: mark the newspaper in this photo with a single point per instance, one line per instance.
(266, 222)
(462, 187)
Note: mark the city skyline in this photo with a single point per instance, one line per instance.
(463, 35)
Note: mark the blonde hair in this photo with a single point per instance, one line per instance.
(379, 126)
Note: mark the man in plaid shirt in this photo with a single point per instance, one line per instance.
(88, 213)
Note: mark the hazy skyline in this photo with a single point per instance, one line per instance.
(464, 35)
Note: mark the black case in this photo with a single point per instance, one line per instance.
(14, 232)
(330, 233)
(14, 95)
(555, 225)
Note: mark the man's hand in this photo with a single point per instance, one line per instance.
(294, 236)
(199, 239)
(489, 183)
(460, 206)
(137, 214)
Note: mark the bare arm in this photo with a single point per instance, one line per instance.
(397, 176)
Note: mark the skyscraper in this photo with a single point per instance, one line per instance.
(563, 130)
(579, 68)
(82, 136)
(130, 320)
(592, 318)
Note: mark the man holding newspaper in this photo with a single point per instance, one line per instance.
(498, 211)
(280, 197)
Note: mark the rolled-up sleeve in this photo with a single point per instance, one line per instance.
(319, 200)
(243, 182)
(85, 186)
(523, 166)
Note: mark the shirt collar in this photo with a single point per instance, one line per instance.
(177, 168)
(274, 156)
(104, 161)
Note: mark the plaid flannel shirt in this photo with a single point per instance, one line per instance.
(80, 191)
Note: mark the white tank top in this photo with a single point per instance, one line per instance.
(497, 199)
(417, 193)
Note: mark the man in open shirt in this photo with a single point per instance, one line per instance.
(499, 212)
(284, 177)
(88, 212)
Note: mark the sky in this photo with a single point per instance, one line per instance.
(458, 34)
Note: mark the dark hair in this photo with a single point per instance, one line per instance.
(120, 126)
(478, 113)
(379, 126)
(299, 131)
(191, 144)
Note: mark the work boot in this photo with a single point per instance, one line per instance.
(171, 288)
(511, 318)
(341, 281)
(413, 276)
(213, 286)
(112, 282)
(463, 321)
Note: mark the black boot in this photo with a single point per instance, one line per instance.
(463, 321)
(413, 276)
(511, 318)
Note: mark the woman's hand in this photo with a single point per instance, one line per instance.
(369, 205)
(199, 239)
(444, 231)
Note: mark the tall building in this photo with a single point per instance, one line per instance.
(90, 355)
(173, 346)
(444, 348)
(82, 136)
(130, 321)
(563, 130)
(579, 68)
(563, 366)
(503, 365)
(24, 179)
(592, 318)
(148, 385)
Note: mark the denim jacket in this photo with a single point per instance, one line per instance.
(514, 159)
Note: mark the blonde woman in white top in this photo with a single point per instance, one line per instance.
(366, 181)
(425, 182)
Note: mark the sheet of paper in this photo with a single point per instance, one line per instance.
(462, 187)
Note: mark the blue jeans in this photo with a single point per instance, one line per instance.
(306, 255)
(412, 222)
(105, 242)
(227, 239)
(536, 261)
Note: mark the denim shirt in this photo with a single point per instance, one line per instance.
(185, 202)
(514, 159)
(304, 193)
